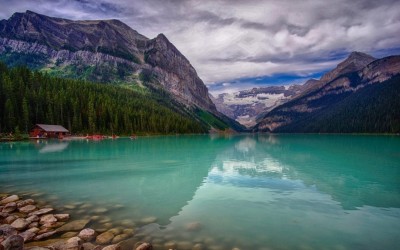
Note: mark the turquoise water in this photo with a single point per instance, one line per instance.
(249, 192)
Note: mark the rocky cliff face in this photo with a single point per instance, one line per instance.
(351, 76)
(106, 51)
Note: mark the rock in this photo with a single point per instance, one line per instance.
(148, 220)
(112, 247)
(235, 248)
(7, 230)
(47, 219)
(104, 238)
(33, 230)
(73, 226)
(108, 225)
(115, 231)
(3, 215)
(13, 242)
(9, 199)
(100, 210)
(10, 219)
(170, 245)
(42, 211)
(127, 223)
(128, 231)
(90, 246)
(33, 224)
(27, 235)
(25, 203)
(27, 209)
(87, 234)
(193, 226)
(33, 218)
(119, 238)
(95, 217)
(144, 246)
(45, 235)
(20, 224)
(185, 245)
(198, 246)
(44, 230)
(70, 207)
(10, 207)
(62, 217)
(53, 225)
(75, 243)
(69, 235)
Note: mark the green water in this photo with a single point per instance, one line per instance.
(250, 192)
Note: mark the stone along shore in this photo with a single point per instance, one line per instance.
(26, 225)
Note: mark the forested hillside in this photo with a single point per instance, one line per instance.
(373, 109)
(28, 97)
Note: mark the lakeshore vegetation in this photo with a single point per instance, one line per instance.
(29, 97)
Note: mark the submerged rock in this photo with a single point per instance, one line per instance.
(42, 211)
(75, 243)
(9, 199)
(148, 220)
(144, 246)
(193, 226)
(119, 238)
(112, 247)
(62, 217)
(73, 226)
(104, 238)
(45, 235)
(69, 235)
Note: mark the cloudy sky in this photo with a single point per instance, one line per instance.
(239, 44)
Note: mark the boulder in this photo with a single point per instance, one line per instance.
(3, 215)
(33, 218)
(13, 242)
(87, 234)
(10, 207)
(27, 209)
(90, 246)
(8, 230)
(33, 224)
(42, 211)
(119, 238)
(104, 238)
(62, 217)
(45, 235)
(75, 243)
(12, 198)
(27, 235)
(144, 246)
(47, 219)
(73, 226)
(10, 219)
(24, 203)
(112, 247)
(53, 224)
(33, 230)
(193, 226)
(20, 224)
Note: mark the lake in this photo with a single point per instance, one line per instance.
(245, 191)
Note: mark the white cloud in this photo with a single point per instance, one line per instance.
(231, 39)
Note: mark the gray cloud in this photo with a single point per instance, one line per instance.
(231, 39)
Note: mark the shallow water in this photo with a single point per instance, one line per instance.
(250, 192)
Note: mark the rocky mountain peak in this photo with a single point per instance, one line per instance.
(354, 62)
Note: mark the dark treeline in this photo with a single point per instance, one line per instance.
(28, 98)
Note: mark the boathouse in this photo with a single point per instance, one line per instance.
(48, 131)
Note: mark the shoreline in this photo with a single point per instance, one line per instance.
(29, 224)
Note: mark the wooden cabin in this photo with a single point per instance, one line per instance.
(48, 131)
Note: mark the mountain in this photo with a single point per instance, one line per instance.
(106, 51)
(246, 105)
(360, 95)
